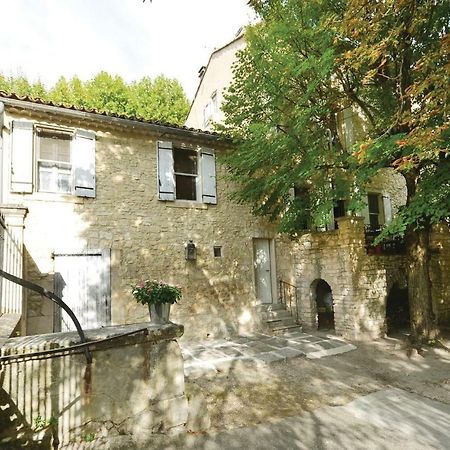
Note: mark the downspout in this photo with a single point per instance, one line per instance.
(2, 121)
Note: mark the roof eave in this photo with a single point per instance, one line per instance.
(110, 120)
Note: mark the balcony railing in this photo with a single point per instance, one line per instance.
(387, 247)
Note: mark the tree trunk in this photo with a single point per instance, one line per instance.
(423, 323)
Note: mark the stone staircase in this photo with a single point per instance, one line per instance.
(277, 319)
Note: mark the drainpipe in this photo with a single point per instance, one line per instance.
(2, 120)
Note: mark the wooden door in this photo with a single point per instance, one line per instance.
(83, 282)
(263, 270)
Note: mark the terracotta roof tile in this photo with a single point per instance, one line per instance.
(40, 101)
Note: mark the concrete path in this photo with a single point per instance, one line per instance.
(222, 354)
(390, 419)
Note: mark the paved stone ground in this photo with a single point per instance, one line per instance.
(221, 354)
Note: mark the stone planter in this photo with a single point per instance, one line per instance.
(159, 313)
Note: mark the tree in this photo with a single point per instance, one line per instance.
(161, 99)
(307, 61)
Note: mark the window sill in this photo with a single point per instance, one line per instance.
(52, 197)
(186, 204)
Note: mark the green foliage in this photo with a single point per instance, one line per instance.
(40, 423)
(89, 437)
(161, 99)
(308, 60)
(155, 292)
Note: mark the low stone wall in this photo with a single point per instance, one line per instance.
(134, 386)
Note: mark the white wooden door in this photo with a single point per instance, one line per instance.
(83, 282)
(263, 270)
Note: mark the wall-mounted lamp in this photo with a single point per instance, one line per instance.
(190, 251)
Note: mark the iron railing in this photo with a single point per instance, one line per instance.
(54, 298)
(394, 246)
(288, 297)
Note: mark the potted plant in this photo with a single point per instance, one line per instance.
(158, 296)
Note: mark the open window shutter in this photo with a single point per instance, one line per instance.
(365, 212)
(166, 177)
(208, 167)
(22, 157)
(331, 225)
(83, 162)
(387, 206)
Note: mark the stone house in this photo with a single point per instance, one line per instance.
(97, 203)
(338, 262)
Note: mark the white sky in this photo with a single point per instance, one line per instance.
(48, 38)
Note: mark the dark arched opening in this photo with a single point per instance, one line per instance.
(325, 306)
(397, 310)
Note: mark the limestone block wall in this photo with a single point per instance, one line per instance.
(360, 283)
(388, 181)
(134, 386)
(146, 236)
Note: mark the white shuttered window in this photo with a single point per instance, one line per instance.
(186, 174)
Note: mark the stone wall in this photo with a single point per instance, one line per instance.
(146, 236)
(134, 386)
(360, 283)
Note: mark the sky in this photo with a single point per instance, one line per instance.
(44, 39)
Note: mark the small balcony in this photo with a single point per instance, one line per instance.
(394, 246)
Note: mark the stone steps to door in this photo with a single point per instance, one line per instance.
(277, 318)
(275, 315)
(284, 329)
(270, 307)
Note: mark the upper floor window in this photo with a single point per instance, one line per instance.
(186, 174)
(374, 202)
(185, 163)
(378, 211)
(210, 109)
(53, 161)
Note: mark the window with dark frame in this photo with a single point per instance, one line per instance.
(217, 251)
(375, 220)
(54, 161)
(186, 173)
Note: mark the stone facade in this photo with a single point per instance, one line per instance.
(135, 386)
(146, 236)
(359, 282)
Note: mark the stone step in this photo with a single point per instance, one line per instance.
(279, 331)
(276, 323)
(270, 307)
(277, 314)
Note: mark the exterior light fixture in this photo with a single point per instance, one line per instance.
(190, 251)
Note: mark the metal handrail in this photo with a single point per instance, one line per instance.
(285, 295)
(54, 298)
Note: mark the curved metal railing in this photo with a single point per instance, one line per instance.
(54, 298)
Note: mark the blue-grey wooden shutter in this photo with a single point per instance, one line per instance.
(387, 207)
(208, 176)
(166, 177)
(83, 163)
(22, 157)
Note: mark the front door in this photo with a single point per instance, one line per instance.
(82, 280)
(263, 270)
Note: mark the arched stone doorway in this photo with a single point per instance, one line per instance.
(397, 310)
(323, 296)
